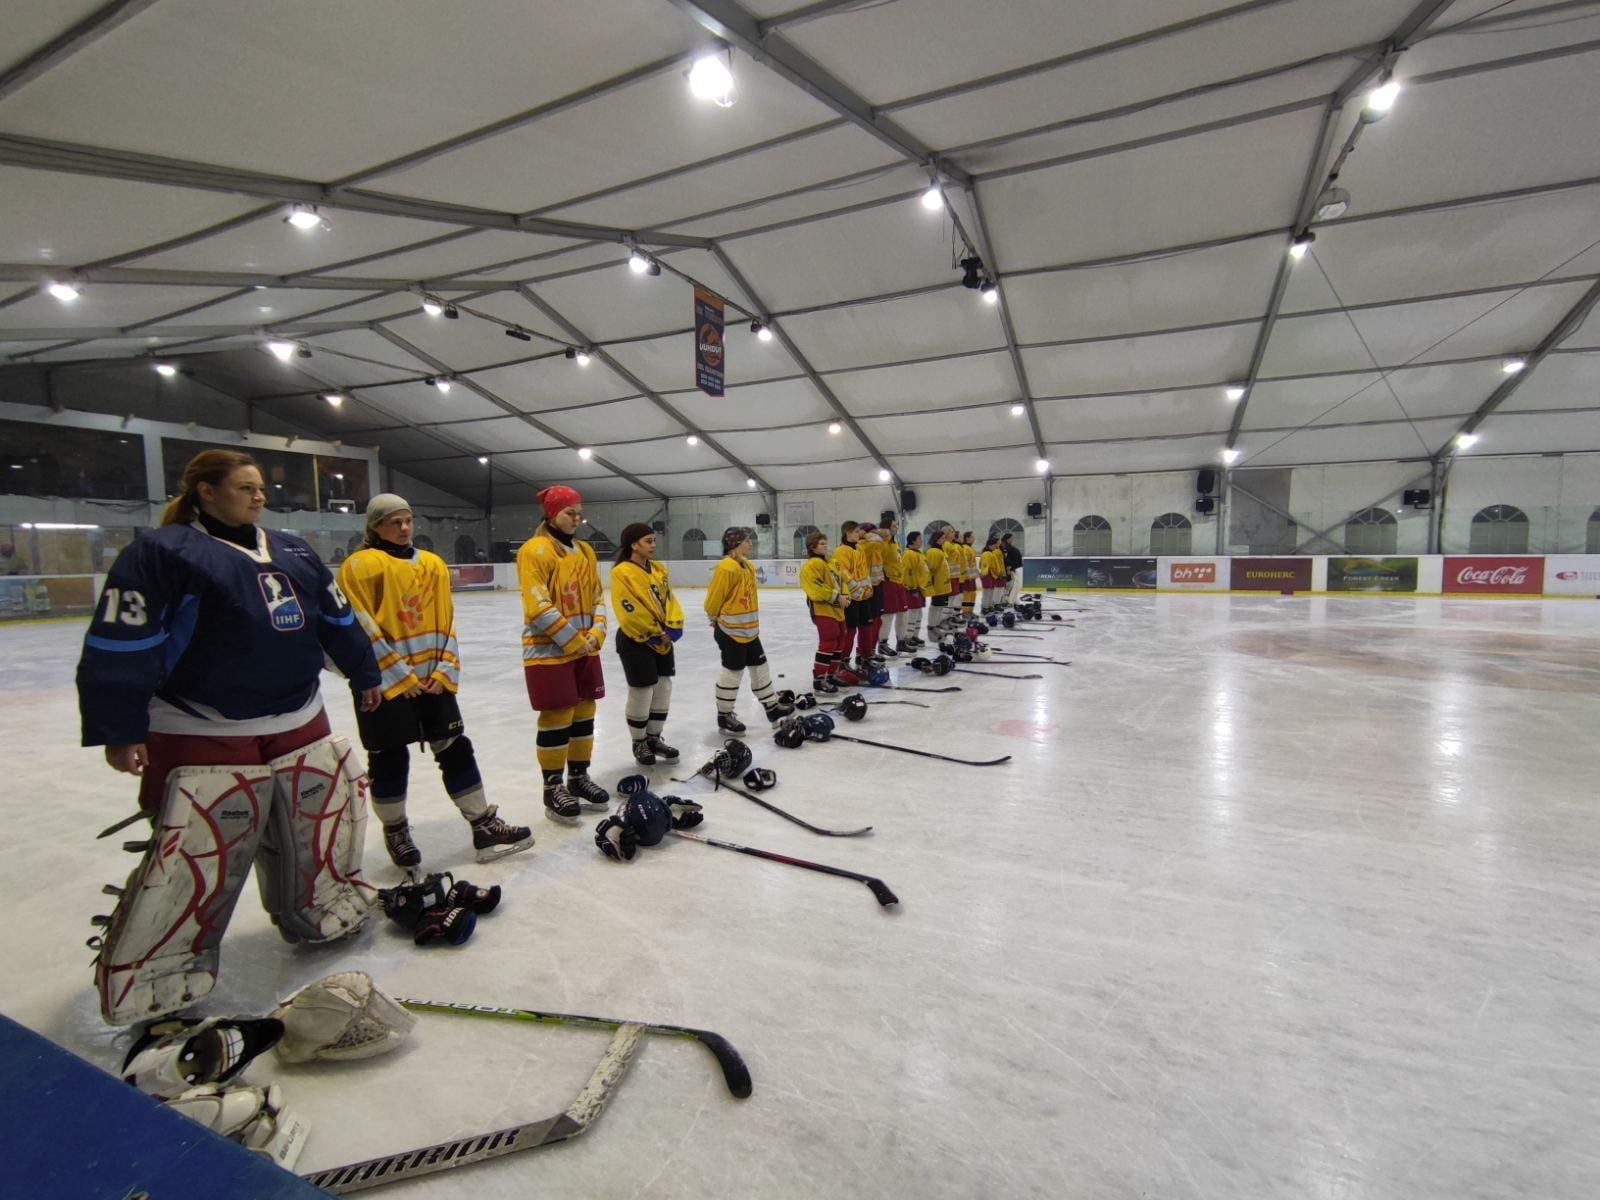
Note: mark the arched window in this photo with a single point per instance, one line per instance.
(694, 543)
(1171, 533)
(423, 542)
(1499, 529)
(466, 549)
(1371, 531)
(801, 533)
(1005, 525)
(1091, 537)
(1592, 546)
(930, 530)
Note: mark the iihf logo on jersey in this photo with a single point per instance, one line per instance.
(283, 606)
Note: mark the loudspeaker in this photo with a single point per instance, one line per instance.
(1205, 481)
(763, 519)
(1035, 508)
(658, 526)
(1417, 497)
(1205, 504)
(908, 500)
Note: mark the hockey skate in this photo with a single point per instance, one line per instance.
(824, 685)
(402, 850)
(587, 790)
(661, 750)
(643, 754)
(778, 710)
(560, 804)
(729, 723)
(492, 838)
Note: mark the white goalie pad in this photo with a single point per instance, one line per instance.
(254, 1117)
(309, 862)
(160, 948)
(341, 1017)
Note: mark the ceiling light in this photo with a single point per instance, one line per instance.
(692, 440)
(166, 370)
(585, 453)
(750, 483)
(521, 334)
(1466, 441)
(1018, 409)
(933, 198)
(1230, 455)
(761, 331)
(1041, 465)
(440, 382)
(884, 476)
(711, 78)
(333, 398)
(1234, 392)
(835, 428)
(282, 351)
(1302, 243)
(638, 263)
(64, 292)
(304, 216)
(989, 292)
(483, 460)
(1381, 99)
(1331, 203)
(582, 358)
(432, 307)
(1512, 365)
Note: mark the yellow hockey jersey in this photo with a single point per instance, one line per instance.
(938, 572)
(405, 607)
(992, 564)
(561, 599)
(731, 600)
(914, 566)
(893, 571)
(852, 571)
(647, 608)
(823, 588)
(870, 548)
(969, 562)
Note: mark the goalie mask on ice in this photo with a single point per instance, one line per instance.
(300, 819)
(643, 820)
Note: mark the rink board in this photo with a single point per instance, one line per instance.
(73, 1132)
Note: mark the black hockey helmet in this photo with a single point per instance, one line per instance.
(818, 726)
(790, 735)
(943, 665)
(853, 708)
(1008, 619)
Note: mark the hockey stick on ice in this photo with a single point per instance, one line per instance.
(966, 762)
(481, 1147)
(881, 703)
(787, 816)
(992, 675)
(879, 889)
(1038, 658)
(734, 1073)
(900, 687)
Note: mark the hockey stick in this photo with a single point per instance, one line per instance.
(879, 889)
(481, 1147)
(900, 687)
(1038, 658)
(787, 816)
(734, 1073)
(1032, 637)
(966, 762)
(992, 675)
(878, 704)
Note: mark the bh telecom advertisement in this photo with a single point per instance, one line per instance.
(1372, 574)
(1483, 575)
(1194, 574)
(1055, 572)
(1271, 575)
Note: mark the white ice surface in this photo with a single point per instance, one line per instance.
(1277, 898)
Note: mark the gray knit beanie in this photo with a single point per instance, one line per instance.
(384, 504)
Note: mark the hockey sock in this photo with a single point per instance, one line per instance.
(387, 771)
(902, 623)
(580, 745)
(458, 767)
(876, 634)
(660, 700)
(637, 710)
(554, 730)
(865, 646)
(727, 690)
(761, 684)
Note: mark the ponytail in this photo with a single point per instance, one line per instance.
(209, 466)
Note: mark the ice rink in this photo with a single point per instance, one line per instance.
(1278, 897)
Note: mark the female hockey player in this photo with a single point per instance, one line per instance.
(914, 567)
(649, 620)
(870, 636)
(940, 579)
(991, 574)
(969, 577)
(401, 596)
(564, 626)
(200, 673)
(825, 596)
(895, 603)
(852, 571)
(732, 608)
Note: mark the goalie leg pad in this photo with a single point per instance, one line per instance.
(309, 863)
(254, 1117)
(161, 947)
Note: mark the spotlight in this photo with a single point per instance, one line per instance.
(521, 334)
(585, 453)
(1465, 441)
(1331, 203)
(1231, 454)
(64, 292)
(1017, 410)
(582, 358)
(711, 78)
(969, 272)
(440, 382)
(990, 293)
(692, 440)
(432, 307)
(1302, 243)
(1041, 465)
(333, 398)
(884, 476)
(166, 370)
(282, 351)
(1512, 365)
(303, 351)
(835, 428)
(1380, 100)
(933, 198)
(750, 483)
(304, 216)
(638, 263)
(1235, 392)
(450, 313)
(761, 331)
(483, 460)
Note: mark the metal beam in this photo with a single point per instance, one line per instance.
(93, 27)
(1574, 317)
(804, 364)
(48, 155)
(728, 21)
(167, 277)
(505, 406)
(640, 386)
(1321, 535)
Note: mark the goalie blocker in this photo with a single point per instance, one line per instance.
(300, 819)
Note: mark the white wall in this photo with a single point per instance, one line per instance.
(1130, 503)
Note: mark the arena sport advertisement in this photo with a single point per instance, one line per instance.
(1055, 572)
(1128, 573)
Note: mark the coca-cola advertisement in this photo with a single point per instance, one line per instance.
(1494, 576)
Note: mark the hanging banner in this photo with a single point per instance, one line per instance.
(708, 349)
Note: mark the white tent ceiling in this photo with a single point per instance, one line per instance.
(1131, 175)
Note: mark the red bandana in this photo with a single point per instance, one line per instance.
(557, 497)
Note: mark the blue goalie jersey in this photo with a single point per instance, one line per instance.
(194, 634)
